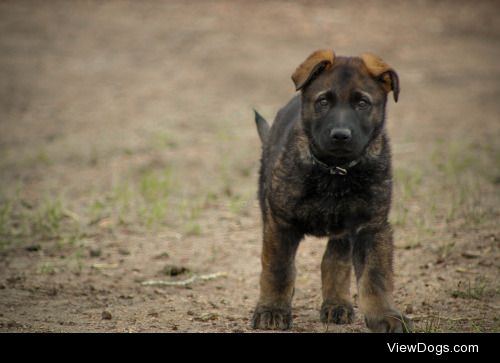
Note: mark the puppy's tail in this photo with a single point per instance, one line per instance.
(262, 126)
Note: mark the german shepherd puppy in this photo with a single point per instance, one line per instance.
(326, 171)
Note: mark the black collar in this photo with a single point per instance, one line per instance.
(335, 169)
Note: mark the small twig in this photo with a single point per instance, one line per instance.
(71, 214)
(464, 271)
(184, 282)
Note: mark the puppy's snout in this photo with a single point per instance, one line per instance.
(340, 135)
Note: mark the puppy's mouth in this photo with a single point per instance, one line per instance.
(334, 154)
(340, 151)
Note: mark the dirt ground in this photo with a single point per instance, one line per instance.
(128, 153)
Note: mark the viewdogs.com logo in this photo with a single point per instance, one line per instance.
(430, 348)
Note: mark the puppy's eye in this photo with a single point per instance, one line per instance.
(362, 104)
(322, 102)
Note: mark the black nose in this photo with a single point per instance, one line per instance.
(341, 135)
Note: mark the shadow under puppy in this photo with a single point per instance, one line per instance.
(326, 171)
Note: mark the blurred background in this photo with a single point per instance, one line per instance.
(128, 153)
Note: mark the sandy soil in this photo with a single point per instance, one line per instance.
(128, 152)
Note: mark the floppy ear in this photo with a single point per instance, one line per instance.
(311, 67)
(383, 72)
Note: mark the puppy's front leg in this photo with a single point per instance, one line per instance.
(274, 309)
(372, 257)
(336, 281)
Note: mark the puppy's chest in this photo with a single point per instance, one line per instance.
(327, 207)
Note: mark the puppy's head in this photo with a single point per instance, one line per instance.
(343, 101)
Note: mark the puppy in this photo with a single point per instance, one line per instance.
(326, 171)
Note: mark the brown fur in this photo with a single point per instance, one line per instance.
(378, 68)
(303, 72)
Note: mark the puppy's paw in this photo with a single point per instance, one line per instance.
(272, 318)
(337, 313)
(391, 321)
